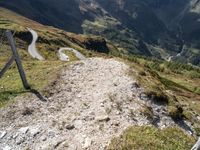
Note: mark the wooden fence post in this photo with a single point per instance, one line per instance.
(17, 59)
(6, 67)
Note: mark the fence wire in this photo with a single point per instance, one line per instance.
(2, 38)
(5, 51)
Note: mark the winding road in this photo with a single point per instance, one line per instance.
(62, 56)
(179, 54)
(32, 47)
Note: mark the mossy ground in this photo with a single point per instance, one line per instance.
(39, 75)
(151, 138)
(179, 83)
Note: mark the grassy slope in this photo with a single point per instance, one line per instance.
(152, 138)
(50, 39)
(180, 85)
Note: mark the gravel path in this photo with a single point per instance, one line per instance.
(93, 101)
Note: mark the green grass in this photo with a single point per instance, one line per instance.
(71, 55)
(170, 83)
(151, 138)
(39, 75)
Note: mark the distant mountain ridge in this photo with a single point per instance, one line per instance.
(162, 26)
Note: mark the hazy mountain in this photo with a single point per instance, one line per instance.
(109, 95)
(163, 26)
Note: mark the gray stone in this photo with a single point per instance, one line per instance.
(3, 134)
(118, 112)
(51, 134)
(20, 140)
(102, 104)
(69, 126)
(56, 144)
(23, 130)
(7, 148)
(103, 118)
(15, 136)
(88, 143)
(34, 131)
(143, 96)
(43, 138)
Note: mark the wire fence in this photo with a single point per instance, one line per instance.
(7, 46)
(2, 39)
(7, 39)
(5, 51)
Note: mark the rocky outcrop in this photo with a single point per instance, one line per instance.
(97, 44)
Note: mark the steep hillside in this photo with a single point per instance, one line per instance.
(132, 33)
(49, 41)
(163, 27)
(92, 101)
(48, 35)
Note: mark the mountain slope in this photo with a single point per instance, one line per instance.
(93, 101)
(47, 36)
(49, 41)
(94, 17)
(162, 94)
(164, 27)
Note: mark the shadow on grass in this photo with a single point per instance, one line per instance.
(6, 96)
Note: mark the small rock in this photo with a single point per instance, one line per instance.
(78, 96)
(43, 138)
(20, 140)
(115, 124)
(7, 148)
(51, 134)
(69, 126)
(34, 131)
(115, 84)
(57, 143)
(88, 143)
(143, 96)
(102, 118)
(65, 144)
(15, 136)
(24, 130)
(3, 134)
(117, 113)
(78, 124)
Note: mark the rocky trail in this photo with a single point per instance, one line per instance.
(93, 101)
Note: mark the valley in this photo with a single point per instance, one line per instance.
(165, 25)
(116, 74)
